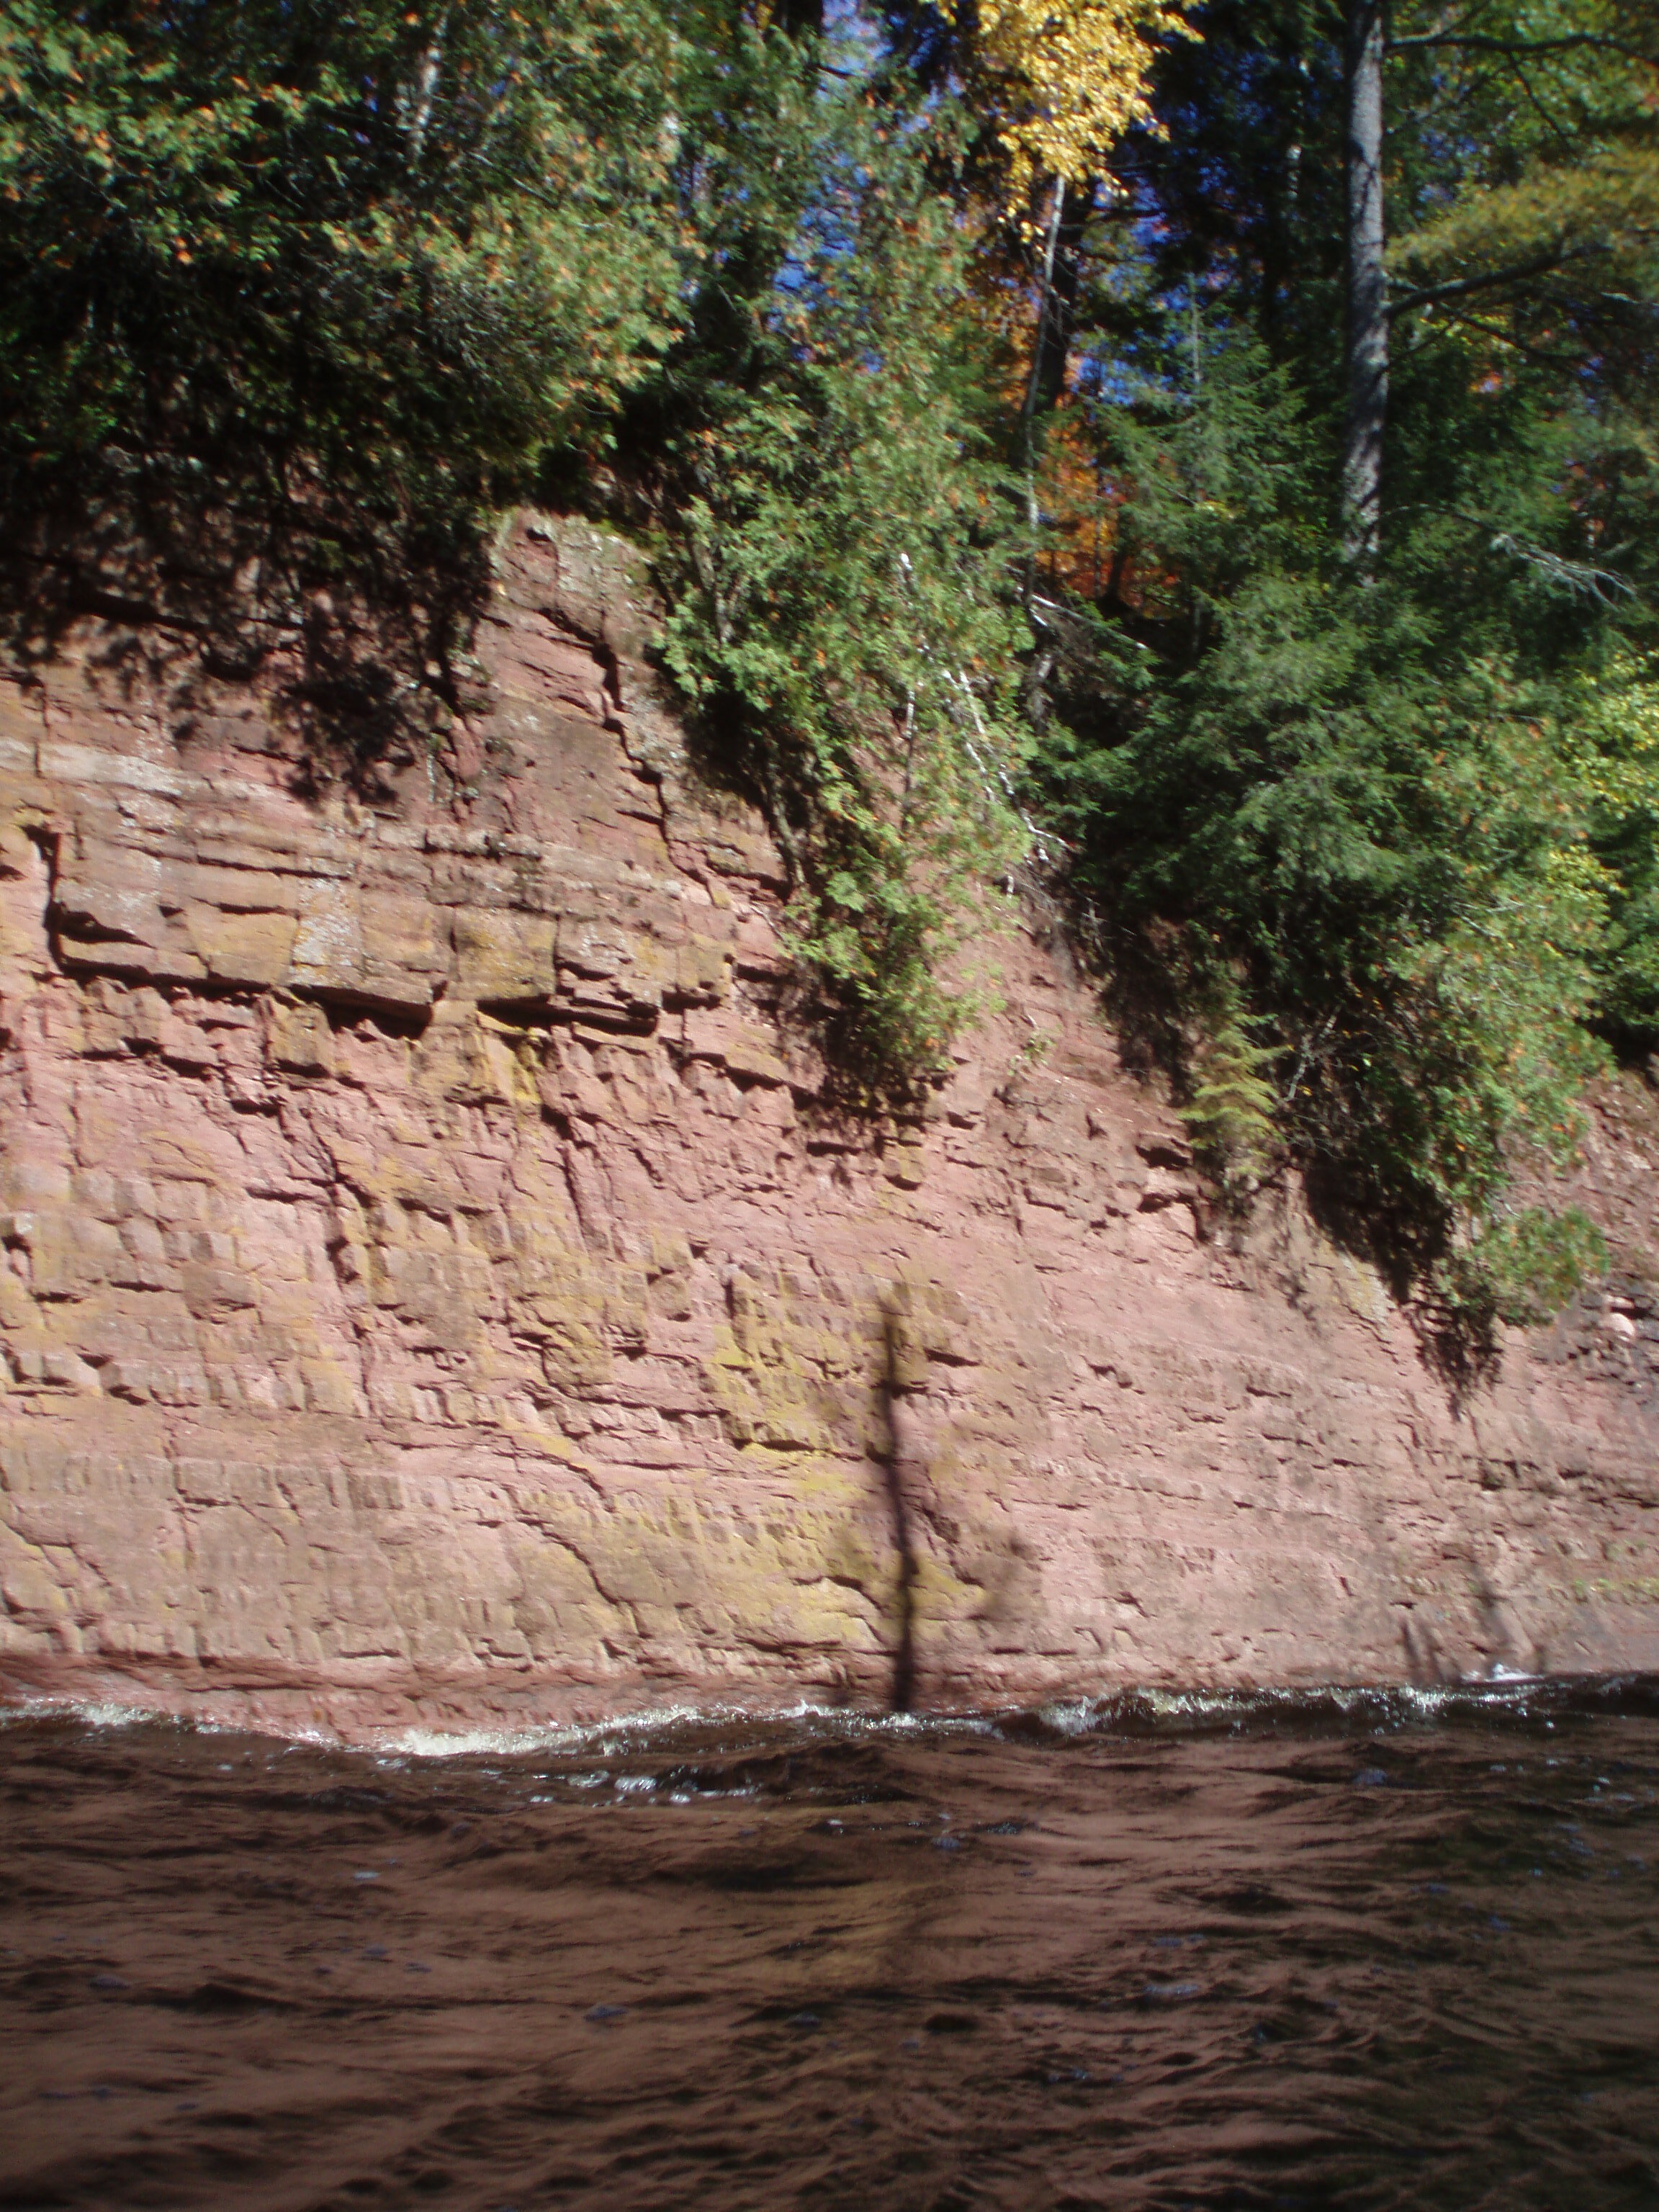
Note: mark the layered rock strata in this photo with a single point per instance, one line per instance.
(435, 1287)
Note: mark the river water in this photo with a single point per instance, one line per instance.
(1354, 1951)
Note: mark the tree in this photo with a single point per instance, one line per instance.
(289, 295)
(1366, 762)
(1367, 410)
(1542, 227)
(228, 224)
(832, 537)
(1058, 85)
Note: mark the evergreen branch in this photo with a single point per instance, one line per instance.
(1541, 265)
(1484, 42)
(1541, 354)
(1580, 576)
(1558, 130)
(1577, 575)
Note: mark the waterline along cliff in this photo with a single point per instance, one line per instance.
(436, 1286)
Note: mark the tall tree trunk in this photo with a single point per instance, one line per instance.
(1028, 413)
(1058, 324)
(425, 93)
(1367, 310)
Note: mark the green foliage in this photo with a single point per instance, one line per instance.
(292, 296)
(1608, 734)
(834, 560)
(1525, 1267)
(1357, 792)
(1414, 818)
(1527, 196)
(345, 268)
(1230, 1112)
(298, 294)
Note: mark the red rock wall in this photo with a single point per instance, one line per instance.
(432, 1289)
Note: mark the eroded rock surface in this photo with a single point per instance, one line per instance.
(432, 1288)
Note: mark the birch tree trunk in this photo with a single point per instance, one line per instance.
(419, 109)
(1059, 321)
(1368, 315)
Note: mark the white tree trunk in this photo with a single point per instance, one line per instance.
(1368, 311)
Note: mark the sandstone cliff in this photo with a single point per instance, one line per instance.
(433, 1285)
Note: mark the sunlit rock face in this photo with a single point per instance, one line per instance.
(434, 1284)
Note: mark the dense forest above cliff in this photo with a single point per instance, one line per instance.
(1201, 467)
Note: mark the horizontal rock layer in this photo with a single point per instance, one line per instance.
(433, 1286)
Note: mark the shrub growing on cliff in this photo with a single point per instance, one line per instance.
(833, 554)
(1361, 792)
(1230, 1108)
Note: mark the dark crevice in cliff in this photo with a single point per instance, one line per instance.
(541, 1014)
(345, 1009)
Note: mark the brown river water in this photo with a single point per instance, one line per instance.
(1343, 1950)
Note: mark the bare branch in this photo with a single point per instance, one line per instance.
(1458, 320)
(425, 93)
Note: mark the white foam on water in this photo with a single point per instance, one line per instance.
(644, 1733)
(91, 1712)
(637, 1731)
(605, 1736)
(125, 1713)
(1076, 1717)
(480, 1743)
(1397, 1704)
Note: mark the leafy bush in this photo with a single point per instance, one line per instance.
(1525, 1267)
(330, 232)
(833, 554)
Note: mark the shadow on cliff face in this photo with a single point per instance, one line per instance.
(354, 625)
(892, 1459)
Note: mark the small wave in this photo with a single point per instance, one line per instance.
(657, 1728)
(1506, 1692)
(118, 1713)
(89, 1712)
(1149, 1710)
(476, 1742)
